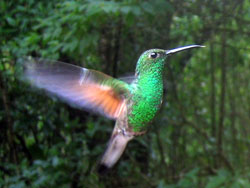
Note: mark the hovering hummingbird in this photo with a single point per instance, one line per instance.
(133, 105)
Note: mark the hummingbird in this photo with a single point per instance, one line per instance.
(133, 105)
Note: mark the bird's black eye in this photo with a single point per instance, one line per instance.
(153, 55)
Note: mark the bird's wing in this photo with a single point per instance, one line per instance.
(128, 78)
(79, 87)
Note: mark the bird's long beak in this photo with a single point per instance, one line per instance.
(179, 49)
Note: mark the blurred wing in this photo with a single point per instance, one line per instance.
(79, 87)
(128, 79)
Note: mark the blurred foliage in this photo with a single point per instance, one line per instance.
(201, 137)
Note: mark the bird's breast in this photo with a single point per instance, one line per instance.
(143, 106)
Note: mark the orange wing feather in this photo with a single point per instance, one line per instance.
(103, 98)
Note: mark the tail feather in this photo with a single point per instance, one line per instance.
(116, 147)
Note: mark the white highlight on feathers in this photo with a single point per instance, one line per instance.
(84, 76)
(121, 108)
(105, 87)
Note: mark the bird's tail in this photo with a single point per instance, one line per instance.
(116, 147)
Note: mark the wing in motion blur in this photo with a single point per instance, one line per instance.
(79, 87)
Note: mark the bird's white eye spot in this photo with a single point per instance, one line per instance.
(153, 55)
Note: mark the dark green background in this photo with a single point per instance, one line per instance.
(200, 138)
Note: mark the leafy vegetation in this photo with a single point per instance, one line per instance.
(201, 137)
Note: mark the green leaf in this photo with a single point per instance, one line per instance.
(217, 181)
(11, 21)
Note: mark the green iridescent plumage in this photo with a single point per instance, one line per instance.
(147, 90)
(133, 106)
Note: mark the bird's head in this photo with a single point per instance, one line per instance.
(155, 58)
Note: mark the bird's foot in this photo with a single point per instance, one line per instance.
(130, 133)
